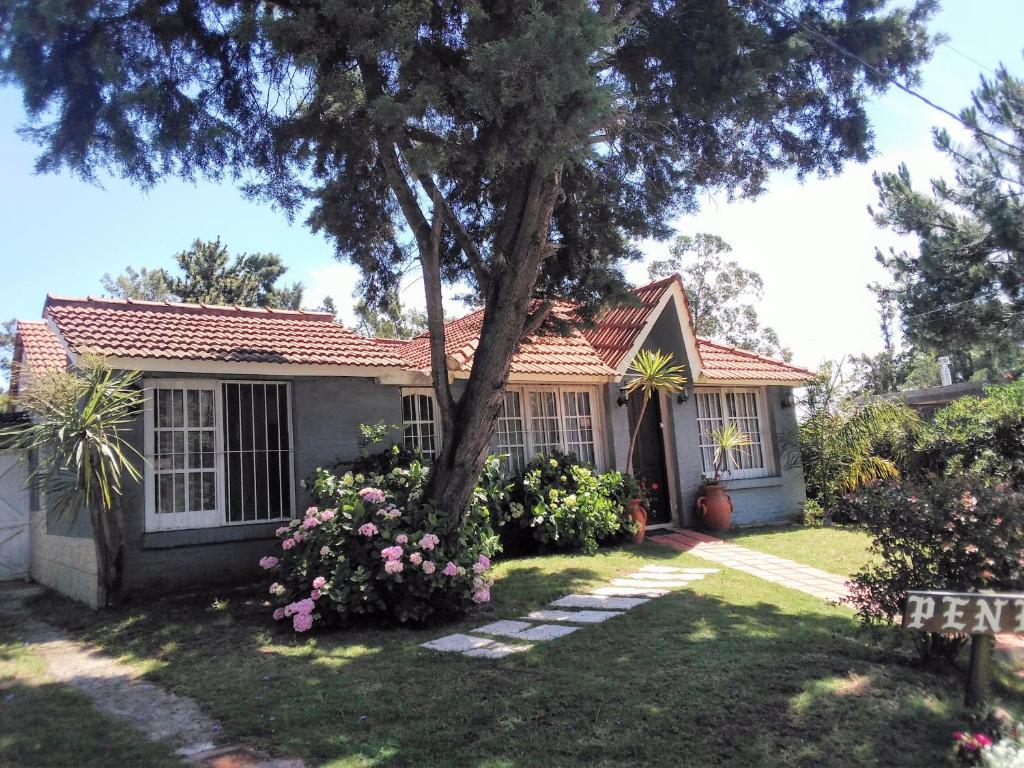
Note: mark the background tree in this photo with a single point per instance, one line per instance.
(208, 275)
(8, 331)
(522, 145)
(389, 320)
(962, 294)
(721, 294)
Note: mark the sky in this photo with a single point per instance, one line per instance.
(812, 242)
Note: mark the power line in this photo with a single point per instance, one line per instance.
(884, 75)
(971, 59)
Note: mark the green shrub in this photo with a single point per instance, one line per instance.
(812, 513)
(563, 503)
(941, 534)
(982, 438)
(374, 547)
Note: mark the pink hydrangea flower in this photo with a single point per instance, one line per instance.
(299, 537)
(302, 622)
(287, 544)
(368, 530)
(268, 562)
(327, 514)
(415, 558)
(482, 564)
(392, 553)
(451, 569)
(282, 530)
(482, 595)
(311, 511)
(310, 522)
(325, 551)
(969, 500)
(429, 567)
(393, 566)
(319, 582)
(277, 589)
(304, 606)
(401, 539)
(279, 614)
(429, 541)
(372, 495)
(314, 595)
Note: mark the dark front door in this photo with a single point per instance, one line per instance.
(649, 458)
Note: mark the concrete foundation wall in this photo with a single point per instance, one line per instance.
(64, 556)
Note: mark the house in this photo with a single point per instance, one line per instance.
(244, 403)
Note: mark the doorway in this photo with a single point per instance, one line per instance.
(649, 458)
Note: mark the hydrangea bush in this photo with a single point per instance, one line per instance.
(371, 546)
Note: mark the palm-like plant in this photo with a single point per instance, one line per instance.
(651, 373)
(728, 440)
(78, 420)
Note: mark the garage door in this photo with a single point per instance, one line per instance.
(14, 517)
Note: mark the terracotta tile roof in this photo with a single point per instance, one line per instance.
(39, 347)
(724, 363)
(616, 329)
(169, 331)
(546, 354)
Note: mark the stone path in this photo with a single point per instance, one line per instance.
(117, 689)
(779, 570)
(570, 613)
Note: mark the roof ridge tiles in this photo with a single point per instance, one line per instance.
(186, 307)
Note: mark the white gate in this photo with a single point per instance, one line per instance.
(14, 517)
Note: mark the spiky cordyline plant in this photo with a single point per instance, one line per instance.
(651, 373)
(78, 419)
(727, 441)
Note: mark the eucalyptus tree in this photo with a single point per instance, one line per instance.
(520, 146)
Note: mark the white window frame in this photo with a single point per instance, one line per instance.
(526, 414)
(764, 431)
(504, 423)
(216, 518)
(429, 392)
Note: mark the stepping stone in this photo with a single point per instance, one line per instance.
(457, 643)
(496, 651)
(522, 630)
(700, 570)
(660, 569)
(660, 577)
(629, 592)
(645, 584)
(578, 617)
(598, 601)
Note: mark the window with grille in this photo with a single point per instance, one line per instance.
(578, 420)
(421, 432)
(219, 453)
(718, 407)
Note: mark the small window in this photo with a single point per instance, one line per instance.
(579, 425)
(420, 425)
(545, 425)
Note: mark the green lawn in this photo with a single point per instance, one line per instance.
(734, 671)
(44, 724)
(842, 551)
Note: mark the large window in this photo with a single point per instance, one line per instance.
(219, 453)
(532, 421)
(742, 407)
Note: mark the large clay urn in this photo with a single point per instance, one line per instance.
(637, 513)
(715, 507)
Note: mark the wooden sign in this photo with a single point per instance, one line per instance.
(969, 613)
(980, 615)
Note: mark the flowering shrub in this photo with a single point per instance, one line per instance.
(376, 549)
(567, 504)
(943, 534)
(995, 741)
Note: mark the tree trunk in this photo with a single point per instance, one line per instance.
(522, 241)
(109, 545)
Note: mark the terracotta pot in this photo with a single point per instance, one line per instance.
(635, 510)
(715, 506)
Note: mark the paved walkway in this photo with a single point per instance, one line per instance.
(569, 614)
(779, 570)
(117, 689)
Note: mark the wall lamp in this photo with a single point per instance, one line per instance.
(683, 396)
(787, 400)
(622, 398)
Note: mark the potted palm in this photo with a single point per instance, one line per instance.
(714, 504)
(651, 373)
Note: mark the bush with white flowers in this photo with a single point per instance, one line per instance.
(373, 547)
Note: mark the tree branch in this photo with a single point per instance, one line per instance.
(536, 318)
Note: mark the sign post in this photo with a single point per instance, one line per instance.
(980, 615)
